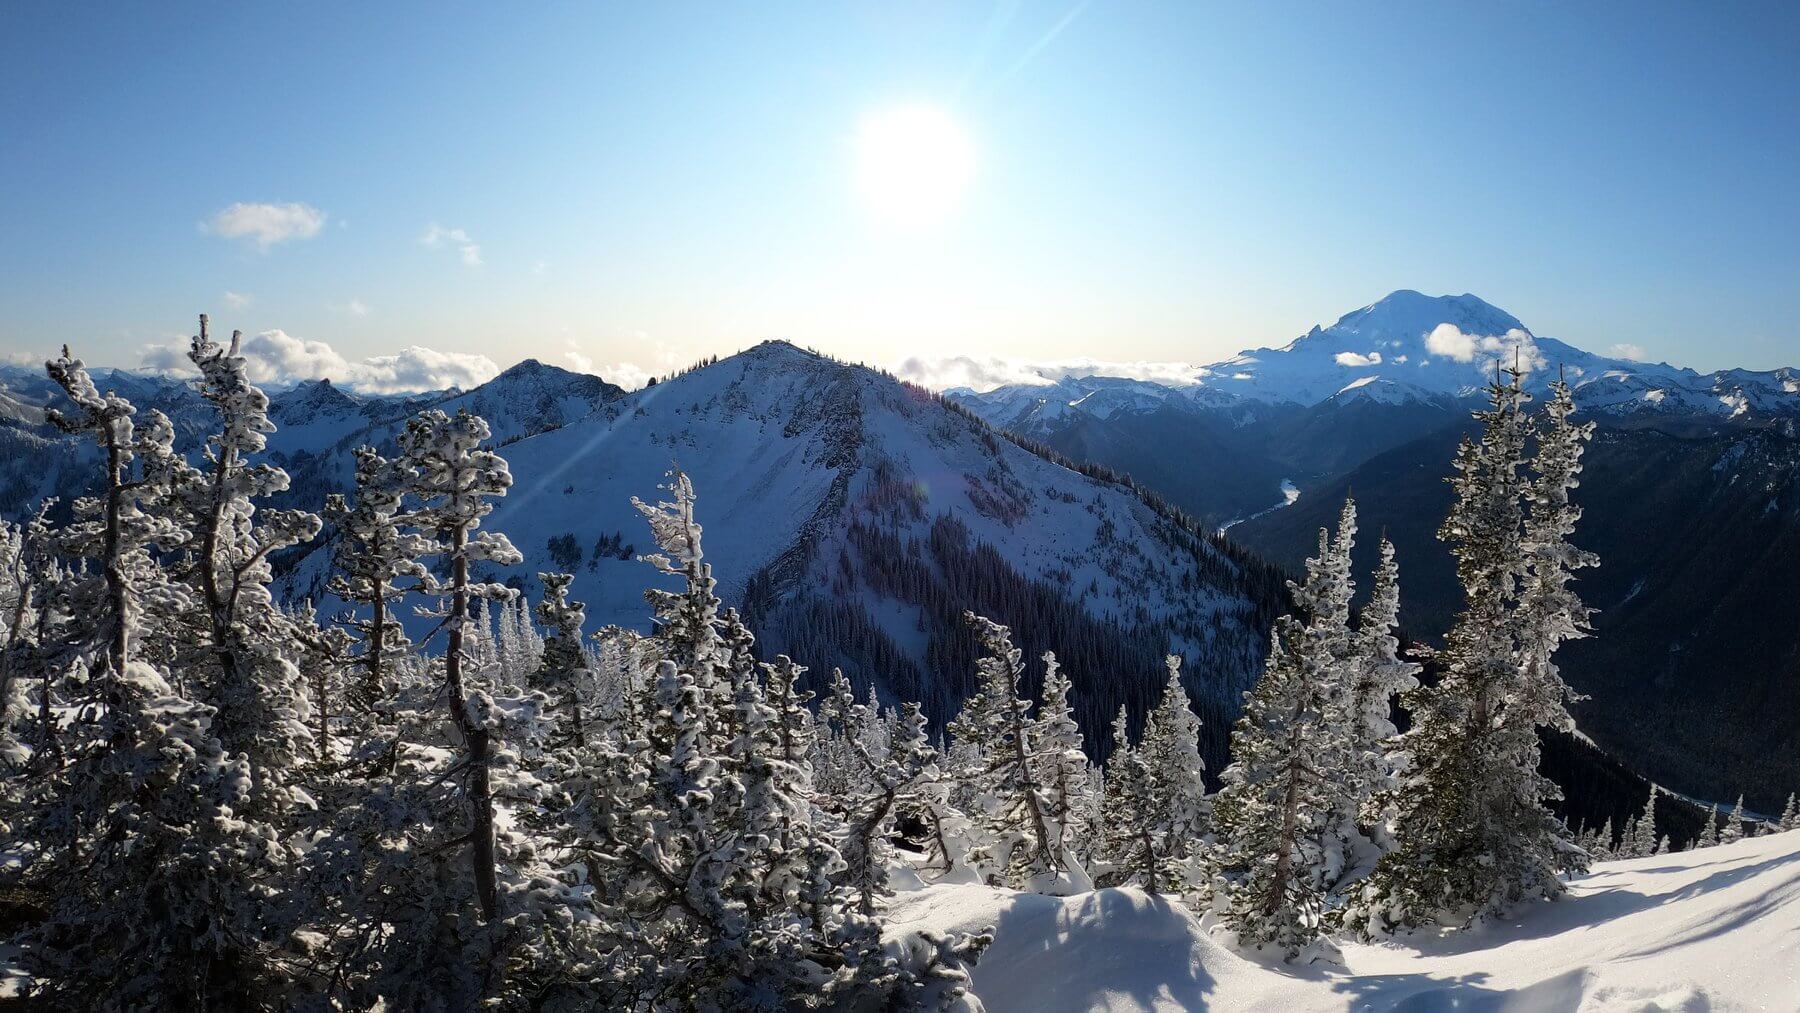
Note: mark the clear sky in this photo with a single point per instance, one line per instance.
(648, 183)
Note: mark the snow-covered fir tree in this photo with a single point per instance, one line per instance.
(1013, 829)
(722, 884)
(562, 673)
(125, 594)
(150, 841)
(454, 479)
(1157, 817)
(1288, 810)
(375, 561)
(1378, 676)
(1645, 841)
(1734, 824)
(1472, 832)
(1064, 773)
(255, 688)
(1709, 833)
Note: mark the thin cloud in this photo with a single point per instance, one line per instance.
(438, 237)
(267, 225)
(238, 300)
(278, 358)
(355, 308)
(1627, 350)
(986, 373)
(1356, 360)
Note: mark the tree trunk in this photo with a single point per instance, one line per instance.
(481, 800)
(119, 652)
(377, 643)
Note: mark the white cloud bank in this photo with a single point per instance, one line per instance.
(1447, 341)
(436, 237)
(267, 224)
(986, 373)
(277, 357)
(1355, 359)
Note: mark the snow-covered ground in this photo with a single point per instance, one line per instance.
(1713, 930)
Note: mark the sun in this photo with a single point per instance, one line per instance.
(913, 164)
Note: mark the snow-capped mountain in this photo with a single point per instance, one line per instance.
(1270, 441)
(317, 423)
(1409, 347)
(855, 518)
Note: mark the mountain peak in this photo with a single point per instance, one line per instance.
(1406, 314)
(531, 367)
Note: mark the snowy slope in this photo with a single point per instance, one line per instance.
(822, 483)
(1712, 930)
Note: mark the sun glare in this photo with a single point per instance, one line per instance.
(913, 164)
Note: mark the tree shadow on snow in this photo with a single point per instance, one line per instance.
(1131, 946)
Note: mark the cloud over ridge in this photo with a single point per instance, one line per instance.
(278, 358)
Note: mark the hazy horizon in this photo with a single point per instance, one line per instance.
(626, 191)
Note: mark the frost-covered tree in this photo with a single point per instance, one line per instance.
(30, 637)
(1709, 833)
(1472, 831)
(1288, 808)
(375, 560)
(1790, 815)
(156, 893)
(721, 882)
(1734, 824)
(1128, 811)
(1170, 750)
(563, 672)
(1377, 676)
(1064, 773)
(1153, 806)
(454, 479)
(116, 532)
(162, 852)
(255, 688)
(1014, 831)
(323, 661)
(1644, 841)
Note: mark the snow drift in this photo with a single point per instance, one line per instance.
(1710, 930)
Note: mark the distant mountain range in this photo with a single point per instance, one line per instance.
(1692, 498)
(854, 517)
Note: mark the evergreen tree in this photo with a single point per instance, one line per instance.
(116, 532)
(1015, 832)
(1129, 816)
(374, 559)
(454, 479)
(1645, 843)
(1280, 796)
(1063, 771)
(1734, 824)
(1170, 752)
(1473, 835)
(1709, 834)
(256, 690)
(1378, 676)
(563, 674)
(1790, 815)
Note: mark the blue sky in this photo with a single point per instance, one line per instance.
(645, 184)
